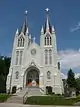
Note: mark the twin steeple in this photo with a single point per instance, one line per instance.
(46, 28)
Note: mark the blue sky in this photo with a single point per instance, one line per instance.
(64, 15)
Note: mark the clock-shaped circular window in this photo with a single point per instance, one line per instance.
(33, 51)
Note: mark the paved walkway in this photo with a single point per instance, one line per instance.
(18, 97)
(77, 104)
(21, 105)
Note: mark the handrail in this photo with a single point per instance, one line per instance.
(25, 97)
(41, 90)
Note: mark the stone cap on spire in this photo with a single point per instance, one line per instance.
(17, 31)
(29, 36)
(53, 29)
(27, 31)
(42, 30)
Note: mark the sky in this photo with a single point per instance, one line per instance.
(64, 15)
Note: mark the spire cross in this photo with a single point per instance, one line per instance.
(47, 9)
(26, 12)
(34, 39)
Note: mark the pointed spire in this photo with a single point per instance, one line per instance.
(34, 39)
(24, 26)
(42, 30)
(53, 29)
(17, 31)
(30, 36)
(47, 19)
(27, 31)
(47, 24)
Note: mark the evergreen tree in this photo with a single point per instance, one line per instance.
(71, 81)
(4, 69)
(78, 85)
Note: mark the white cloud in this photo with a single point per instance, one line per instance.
(63, 76)
(70, 59)
(76, 28)
(77, 75)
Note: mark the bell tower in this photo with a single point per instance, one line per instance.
(49, 56)
(48, 41)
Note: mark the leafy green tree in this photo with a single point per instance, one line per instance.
(71, 81)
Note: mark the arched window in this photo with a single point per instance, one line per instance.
(50, 40)
(47, 40)
(46, 56)
(50, 56)
(18, 43)
(21, 42)
(58, 65)
(17, 57)
(48, 75)
(16, 74)
(21, 52)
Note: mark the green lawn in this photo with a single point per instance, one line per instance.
(51, 100)
(4, 97)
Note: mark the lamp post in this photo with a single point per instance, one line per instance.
(55, 74)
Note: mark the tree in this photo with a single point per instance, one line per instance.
(4, 69)
(71, 81)
(78, 86)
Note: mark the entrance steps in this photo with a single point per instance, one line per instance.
(22, 92)
(15, 99)
(18, 96)
(35, 91)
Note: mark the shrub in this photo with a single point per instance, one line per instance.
(51, 100)
(4, 97)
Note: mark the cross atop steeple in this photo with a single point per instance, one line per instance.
(26, 12)
(47, 24)
(47, 9)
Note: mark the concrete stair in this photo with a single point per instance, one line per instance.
(18, 96)
(34, 92)
(15, 99)
(22, 92)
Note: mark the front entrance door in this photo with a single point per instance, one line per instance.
(32, 78)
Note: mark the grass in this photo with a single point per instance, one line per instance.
(4, 97)
(51, 100)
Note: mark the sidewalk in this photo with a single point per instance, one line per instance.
(21, 105)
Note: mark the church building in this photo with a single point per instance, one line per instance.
(34, 65)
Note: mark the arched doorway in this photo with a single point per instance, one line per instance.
(32, 77)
